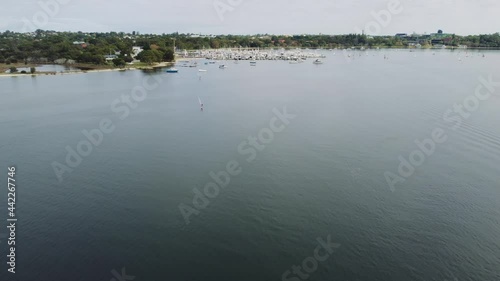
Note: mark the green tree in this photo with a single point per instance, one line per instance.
(119, 62)
(150, 56)
(215, 44)
(13, 69)
(169, 55)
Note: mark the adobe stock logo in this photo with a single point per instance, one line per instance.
(222, 7)
(455, 116)
(48, 9)
(249, 148)
(310, 264)
(381, 18)
(121, 277)
(92, 139)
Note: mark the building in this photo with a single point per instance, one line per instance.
(110, 57)
(136, 50)
(80, 44)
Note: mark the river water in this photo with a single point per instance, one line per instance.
(318, 171)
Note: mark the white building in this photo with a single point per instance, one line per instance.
(136, 50)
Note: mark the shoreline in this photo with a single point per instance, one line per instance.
(84, 68)
(129, 68)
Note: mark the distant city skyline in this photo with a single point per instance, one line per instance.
(376, 17)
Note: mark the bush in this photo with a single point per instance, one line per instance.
(13, 69)
(32, 70)
(119, 62)
(169, 55)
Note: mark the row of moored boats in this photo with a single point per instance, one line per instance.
(223, 66)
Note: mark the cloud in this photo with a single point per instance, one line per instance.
(260, 16)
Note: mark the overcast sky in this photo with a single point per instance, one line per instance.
(254, 16)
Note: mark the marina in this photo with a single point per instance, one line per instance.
(253, 54)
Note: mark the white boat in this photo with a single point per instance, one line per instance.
(172, 70)
(202, 70)
(253, 63)
(222, 66)
(294, 62)
(318, 61)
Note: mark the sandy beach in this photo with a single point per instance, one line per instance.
(128, 68)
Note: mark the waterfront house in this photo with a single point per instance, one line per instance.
(136, 50)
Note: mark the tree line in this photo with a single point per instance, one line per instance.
(44, 46)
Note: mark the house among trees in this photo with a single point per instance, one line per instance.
(136, 50)
(110, 57)
(80, 44)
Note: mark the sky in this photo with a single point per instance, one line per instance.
(375, 17)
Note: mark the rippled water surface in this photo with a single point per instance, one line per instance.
(323, 175)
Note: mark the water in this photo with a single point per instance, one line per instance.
(47, 68)
(323, 175)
